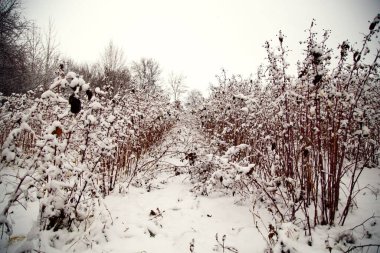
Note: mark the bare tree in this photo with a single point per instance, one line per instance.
(112, 67)
(194, 99)
(177, 85)
(12, 51)
(34, 56)
(51, 54)
(112, 58)
(146, 73)
(11, 23)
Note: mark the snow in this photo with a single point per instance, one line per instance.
(241, 96)
(180, 217)
(48, 94)
(63, 83)
(85, 86)
(25, 247)
(111, 118)
(91, 118)
(95, 105)
(71, 75)
(184, 217)
(164, 214)
(99, 91)
(312, 110)
(245, 110)
(74, 82)
(54, 84)
(317, 49)
(245, 169)
(8, 154)
(9, 228)
(365, 130)
(235, 150)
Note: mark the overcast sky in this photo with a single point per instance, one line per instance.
(197, 37)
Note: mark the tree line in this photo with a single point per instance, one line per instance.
(29, 59)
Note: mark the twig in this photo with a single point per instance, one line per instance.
(362, 246)
(362, 224)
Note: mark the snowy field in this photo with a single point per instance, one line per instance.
(179, 138)
(164, 215)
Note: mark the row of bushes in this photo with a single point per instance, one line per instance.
(72, 144)
(293, 140)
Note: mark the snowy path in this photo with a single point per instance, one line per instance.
(183, 216)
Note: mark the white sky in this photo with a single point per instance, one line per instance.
(195, 37)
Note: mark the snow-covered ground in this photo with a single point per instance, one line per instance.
(169, 217)
(163, 215)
